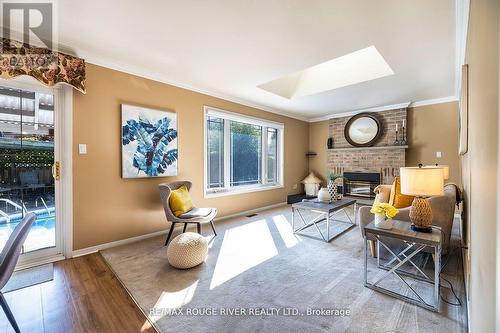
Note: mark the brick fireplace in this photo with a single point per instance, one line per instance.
(383, 158)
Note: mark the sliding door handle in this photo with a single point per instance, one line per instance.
(56, 170)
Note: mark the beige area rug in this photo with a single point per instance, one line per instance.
(260, 277)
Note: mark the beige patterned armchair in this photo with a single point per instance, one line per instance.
(443, 213)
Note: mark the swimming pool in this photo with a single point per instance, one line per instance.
(41, 235)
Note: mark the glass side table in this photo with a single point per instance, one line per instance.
(413, 243)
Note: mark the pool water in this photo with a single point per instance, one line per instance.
(41, 235)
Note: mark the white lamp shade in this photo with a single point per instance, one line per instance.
(422, 182)
(311, 179)
(446, 170)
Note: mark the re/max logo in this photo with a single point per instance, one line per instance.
(29, 22)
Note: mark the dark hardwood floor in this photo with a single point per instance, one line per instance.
(84, 296)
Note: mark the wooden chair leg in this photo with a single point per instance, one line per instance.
(170, 233)
(8, 313)
(373, 248)
(198, 227)
(213, 227)
(185, 226)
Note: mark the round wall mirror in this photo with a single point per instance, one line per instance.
(363, 130)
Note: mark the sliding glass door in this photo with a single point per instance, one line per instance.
(28, 168)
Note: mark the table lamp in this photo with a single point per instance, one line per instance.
(422, 183)
(446, 170)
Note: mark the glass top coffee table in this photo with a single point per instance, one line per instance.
(324, 212)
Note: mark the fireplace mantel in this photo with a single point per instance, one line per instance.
(368, 148)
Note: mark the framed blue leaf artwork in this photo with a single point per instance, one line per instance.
(149, 142)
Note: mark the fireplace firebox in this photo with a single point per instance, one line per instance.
(361, 184)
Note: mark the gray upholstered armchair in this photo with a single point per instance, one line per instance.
(443, 213)
(197, 216)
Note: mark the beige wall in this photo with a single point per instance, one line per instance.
(108, 208)
(318, 135)
(480, 164)
(425, 138)
(434, 128)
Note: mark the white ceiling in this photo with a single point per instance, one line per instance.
(229, 47)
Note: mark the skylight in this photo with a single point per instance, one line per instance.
(356, 67)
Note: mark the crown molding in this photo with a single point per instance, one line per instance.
(114, 65)
(354, 112)
(425, 102)
(440, 100)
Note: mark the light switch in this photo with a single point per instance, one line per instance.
(439, 154)
(82, 149)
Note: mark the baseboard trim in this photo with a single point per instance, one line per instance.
(42, 261)
(100, 247)
(248, 212)
(93, 249)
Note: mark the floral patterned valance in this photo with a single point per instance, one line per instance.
(48, 67)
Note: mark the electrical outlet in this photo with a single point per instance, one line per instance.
(439, 154)
(294, 186)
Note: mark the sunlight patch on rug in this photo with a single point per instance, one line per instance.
(243, 247)
(172, 300)
(285, 230)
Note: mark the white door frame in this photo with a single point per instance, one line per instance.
(63, 120)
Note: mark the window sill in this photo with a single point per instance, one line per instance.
(242, 190)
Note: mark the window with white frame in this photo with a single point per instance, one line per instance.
(242, 153)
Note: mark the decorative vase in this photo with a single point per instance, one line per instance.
(323, 195)
(332, 190)
(329, 143)
(382, 222)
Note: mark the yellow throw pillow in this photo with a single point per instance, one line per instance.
(180, 201)
(397, 199)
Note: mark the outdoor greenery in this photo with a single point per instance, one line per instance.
(246, 153)
(245, 147)
(215, 151)
(26, 157)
